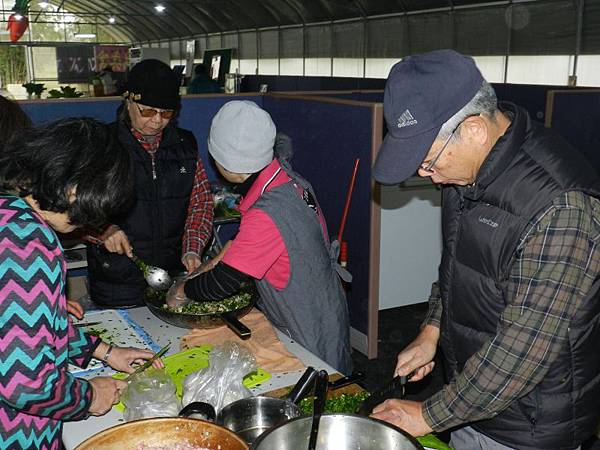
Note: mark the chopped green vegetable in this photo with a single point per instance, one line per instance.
(96, 331)
(142, 266)
(152, 294)
(343, 403)
(232, 303)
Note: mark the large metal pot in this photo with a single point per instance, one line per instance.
(155, 304)
(337, 432)
(164, 432)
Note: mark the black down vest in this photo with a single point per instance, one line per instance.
(528, 167)
(156, 222)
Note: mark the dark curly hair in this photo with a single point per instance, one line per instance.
(80, 155)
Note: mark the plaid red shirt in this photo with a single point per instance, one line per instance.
(199, 221)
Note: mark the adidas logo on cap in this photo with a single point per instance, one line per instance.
(406, 120)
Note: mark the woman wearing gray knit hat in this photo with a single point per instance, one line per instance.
(172, 219)
(282, 242)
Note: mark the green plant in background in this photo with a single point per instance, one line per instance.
(65, 92)
(13, 69)
(34, 89)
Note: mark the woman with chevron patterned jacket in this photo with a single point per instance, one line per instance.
(56, 178)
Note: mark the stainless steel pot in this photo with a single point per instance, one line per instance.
(337, 432)
(251, 417)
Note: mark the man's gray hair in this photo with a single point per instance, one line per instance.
(484, 103)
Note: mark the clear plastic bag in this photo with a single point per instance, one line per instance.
(221, 382)
(151, 393)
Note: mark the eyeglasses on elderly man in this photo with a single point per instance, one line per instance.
(428, 166)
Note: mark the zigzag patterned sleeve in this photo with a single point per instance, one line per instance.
(34, 330)
(81, 346)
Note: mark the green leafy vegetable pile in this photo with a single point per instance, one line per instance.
(343, 403)
(232, 303)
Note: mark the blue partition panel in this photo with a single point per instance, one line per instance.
(196, 114)
(575, 116)
(48, 110)
(327, 137)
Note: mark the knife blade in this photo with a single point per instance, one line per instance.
(149, 362)
(383, 394)
(354, 377)
(86, 324)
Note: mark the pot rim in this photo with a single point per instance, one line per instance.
(152, 420)
(410, 438)
(255, 401)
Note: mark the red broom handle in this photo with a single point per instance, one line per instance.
(348, 199)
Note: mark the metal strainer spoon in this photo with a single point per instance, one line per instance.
(156, 277)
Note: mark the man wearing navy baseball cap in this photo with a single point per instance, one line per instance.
(516, 309)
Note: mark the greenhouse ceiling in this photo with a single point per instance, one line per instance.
(144, 20)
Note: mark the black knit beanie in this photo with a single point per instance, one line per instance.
(152, 83)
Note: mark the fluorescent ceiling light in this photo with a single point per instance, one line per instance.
(160, 8)
(111, 20)
(84, 35)
(43, 5)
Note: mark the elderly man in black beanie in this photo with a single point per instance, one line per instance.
(171, 221)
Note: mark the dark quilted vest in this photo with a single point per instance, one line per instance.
(155, 224)
(526, 170)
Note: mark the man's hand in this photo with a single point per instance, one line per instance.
(106, 392)
(418, 356)
(405, 414)
(191, 262)
(115, 241)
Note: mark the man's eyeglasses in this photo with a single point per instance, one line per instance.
(151, 112)
(431, 163)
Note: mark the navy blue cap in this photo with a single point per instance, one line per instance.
(421, 93)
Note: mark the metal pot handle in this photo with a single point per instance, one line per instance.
(318, 407)
(238, 327)
(205, 409)
(303, 386)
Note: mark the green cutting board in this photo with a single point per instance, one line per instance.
(181, 364)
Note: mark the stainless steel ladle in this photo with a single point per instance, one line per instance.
(156, 277)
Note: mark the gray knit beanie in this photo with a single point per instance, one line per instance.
(241, 137)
